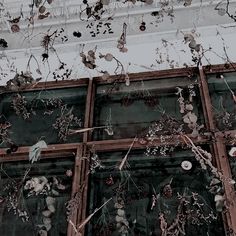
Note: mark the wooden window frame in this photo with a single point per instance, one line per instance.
(214, 138)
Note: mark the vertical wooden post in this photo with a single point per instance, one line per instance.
(75, 188)
(221, 159)
(84, 168)
(206, 102)
(88, 109)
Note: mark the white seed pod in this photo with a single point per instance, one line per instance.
(189, 107)
(124, 49)
(125, 222)
(221, 11)
(51, 208)
(192, 44)
(119, 219)
(192, 117)
(119, 45)
(186, 165)
(46, 213)
(118, 225)
(108, 57)
(219, 198)
(188, 38)
(47, 220)
(120, 212)
(121, 41)
(105, 76)
(55, 193)
(232, 152)
(198, 48)
(127, 80)
(48, 226)
(50, 200)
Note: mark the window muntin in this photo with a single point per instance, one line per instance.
(44, 207)
(44, 107)
(130, 210)
(131, 109)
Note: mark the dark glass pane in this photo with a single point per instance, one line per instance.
(222, 99)
(232, 161)
(29, 206)
(131, 109)
(131, 210)
(44, 107)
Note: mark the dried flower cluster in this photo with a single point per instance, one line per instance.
(187, 110)
(89, 60)
(65, 122)
(190, 210)
(4, 133)
(21, 81)
(20, 106)
(13, 199)
(73, 204)
(122, 40)
(48, 188)
(95, 163)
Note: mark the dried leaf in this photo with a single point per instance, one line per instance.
(188, 38)
(39, 72)
(35, 150)
(42, 9)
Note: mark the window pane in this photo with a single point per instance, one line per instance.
(34, 113)
(131, 109)
(221, 87)
(36, 204)
(232, 161)
(133, 211)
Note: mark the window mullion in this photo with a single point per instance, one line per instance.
(84, 181)
(223, 163)
(75, 188)
(88, 109)
(220, 152)
(206, 101)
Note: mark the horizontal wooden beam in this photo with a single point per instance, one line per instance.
(53, 151)
(123, 144)
(50, 85)
(220, 68)
(181, 72)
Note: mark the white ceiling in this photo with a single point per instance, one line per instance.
(200, 16)
(67, 14)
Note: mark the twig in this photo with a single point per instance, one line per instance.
(71, 131)
(74, 227)
(88, 218)
(126, 155)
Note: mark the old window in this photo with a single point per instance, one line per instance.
(34, 195)
(151, 189)
(148, 157)
(131, 109)
(33, 115)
